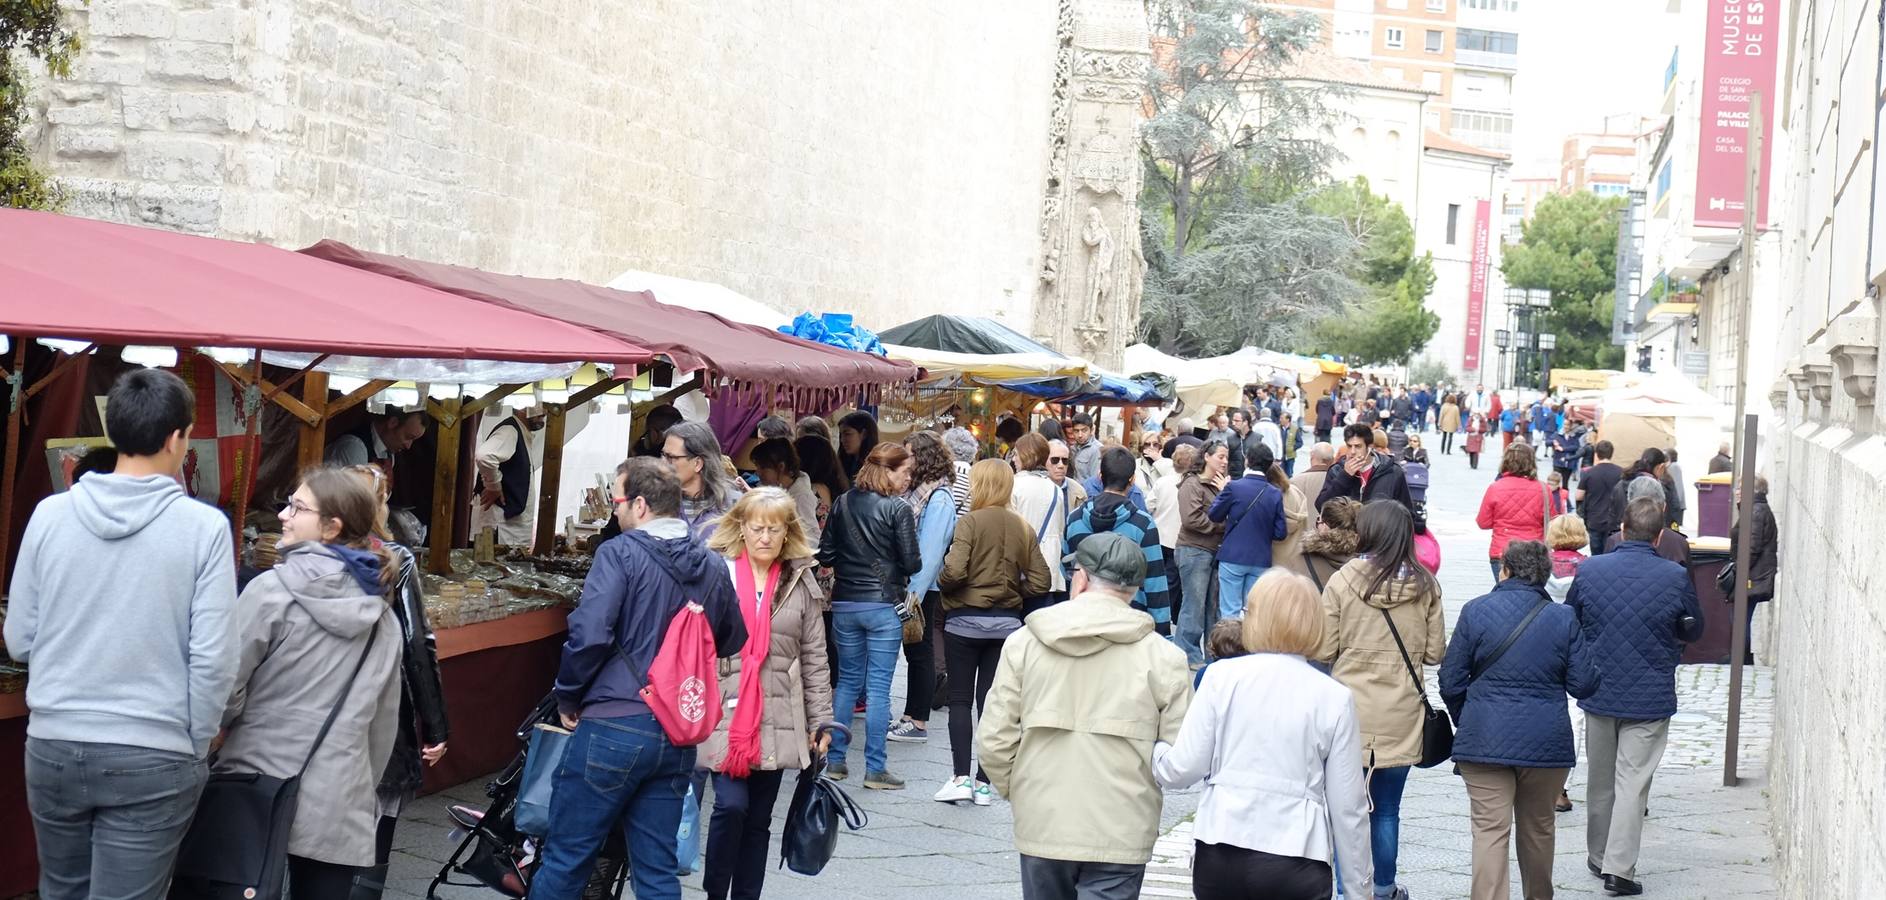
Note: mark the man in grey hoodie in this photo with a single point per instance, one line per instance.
(122, 605)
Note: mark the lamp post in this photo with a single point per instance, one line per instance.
(1548, 342)
(1501, 339)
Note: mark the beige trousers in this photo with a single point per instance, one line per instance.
(1509, 800)
(1623, 754)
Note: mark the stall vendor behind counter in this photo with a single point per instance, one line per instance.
(503, 498)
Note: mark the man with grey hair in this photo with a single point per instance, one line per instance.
(1181, 436)
(1060, 458)
(1086, 806)
(963, 449)
(1669, 543)
(1322, 456)
(1636, 612)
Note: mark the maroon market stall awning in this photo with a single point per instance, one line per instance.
(63, 276)
(743, 358)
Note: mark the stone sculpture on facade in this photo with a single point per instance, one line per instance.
(1090, 204)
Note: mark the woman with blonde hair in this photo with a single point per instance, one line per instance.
(781, 691)
(993, 563)
(1282, 788)
(422, 722)
(321, 643)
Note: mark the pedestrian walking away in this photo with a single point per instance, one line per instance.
(1516, 506)
(1514, 657)
(1448, 422)
(1636, 610)
(1600, 498)
(1078, 769)
(1110, 512)
(126, 691)
(1283, 797)
(992, 565)
(1382, 620)
(1252, 510)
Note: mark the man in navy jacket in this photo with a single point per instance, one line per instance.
(1253, 512)
(1637, 610)
(640, 579)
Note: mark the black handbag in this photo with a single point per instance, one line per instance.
(1437, 731)
(237, 846)
(1725, 581)
(818, 806)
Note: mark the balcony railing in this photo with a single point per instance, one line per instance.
(1483, 59)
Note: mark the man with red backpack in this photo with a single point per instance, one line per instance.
(630, 757)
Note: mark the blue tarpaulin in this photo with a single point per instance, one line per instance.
(834, 329)
(974, 334)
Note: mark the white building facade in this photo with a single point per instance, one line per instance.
(1461, 206)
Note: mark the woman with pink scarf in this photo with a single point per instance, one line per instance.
(778, 714)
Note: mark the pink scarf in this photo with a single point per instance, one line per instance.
(743, 736)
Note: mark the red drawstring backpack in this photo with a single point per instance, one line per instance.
(683, 687)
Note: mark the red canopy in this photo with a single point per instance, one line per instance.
(62, 276)
(749, 358)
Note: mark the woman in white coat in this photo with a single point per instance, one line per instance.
(1275, 742)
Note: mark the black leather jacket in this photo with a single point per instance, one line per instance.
(422, 695)
(870, 542)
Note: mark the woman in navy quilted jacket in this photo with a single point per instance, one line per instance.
(1514, 747)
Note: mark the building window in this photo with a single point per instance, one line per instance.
(1453, 221)
(1492, 5)
(1515, 210)
(1434, 41)
(1392, 38)
(1486, 41)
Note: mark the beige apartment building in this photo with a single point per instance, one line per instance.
(1465, 51)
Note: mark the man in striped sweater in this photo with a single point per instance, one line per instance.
(1112, 512)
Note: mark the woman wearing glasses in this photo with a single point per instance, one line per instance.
(1148, 471)
(311, 621)
(782, 694)
(1043, 508)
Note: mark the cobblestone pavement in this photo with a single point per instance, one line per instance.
(1702, 841)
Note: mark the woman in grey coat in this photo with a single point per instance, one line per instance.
(306, 625)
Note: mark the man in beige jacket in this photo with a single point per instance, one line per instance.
(1100, 687)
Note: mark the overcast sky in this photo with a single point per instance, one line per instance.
(1581, 60)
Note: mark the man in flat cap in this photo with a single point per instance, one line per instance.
(1100, 688)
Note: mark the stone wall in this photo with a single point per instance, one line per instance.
(886, 158)
(1825, 451)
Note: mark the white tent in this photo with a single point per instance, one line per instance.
(704, 296)
(1217, 380)
(1664, 411)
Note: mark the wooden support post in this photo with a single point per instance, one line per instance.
(10, 469)
(251, 452)
(444, 485)
(312, 444)
(550, 487)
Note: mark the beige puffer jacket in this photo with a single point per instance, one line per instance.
(1362, 655)
(797, 680)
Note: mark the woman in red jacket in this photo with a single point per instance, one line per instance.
(1516, 506)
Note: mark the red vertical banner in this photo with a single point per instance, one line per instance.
(1739, 49)
(1477, 284)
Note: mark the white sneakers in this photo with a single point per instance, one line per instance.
(956, 790)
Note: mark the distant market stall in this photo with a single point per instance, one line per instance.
(1205, 384)
(1012, 361)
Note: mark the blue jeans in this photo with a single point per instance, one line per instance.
(109, 817)
(1199, 613)
(1385, 787)
(614, 770)
(1495, 564)
(1234, 584)
(867, 658)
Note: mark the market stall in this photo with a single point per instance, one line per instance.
(249, 326)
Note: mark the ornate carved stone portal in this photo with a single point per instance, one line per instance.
(1092, 270)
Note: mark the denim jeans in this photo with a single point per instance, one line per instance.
(621, 769)
(1234, 584)
(1385, 788)
(867, 658)
(109, 817)
(1199, 613)
(1495, 564)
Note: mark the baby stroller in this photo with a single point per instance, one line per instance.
(493, 853)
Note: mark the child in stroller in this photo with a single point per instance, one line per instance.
(496, 855)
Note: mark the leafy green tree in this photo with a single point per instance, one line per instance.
(37, 30)
(1387, 321)
(1569, 247)
(1231, 146)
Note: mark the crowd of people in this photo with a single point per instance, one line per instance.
(1099, 622)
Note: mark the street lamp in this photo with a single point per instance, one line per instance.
(1501, 339)
(1547, 343)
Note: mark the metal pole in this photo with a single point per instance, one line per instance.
(1745, 443)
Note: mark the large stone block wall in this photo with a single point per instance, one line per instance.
(886, 158)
